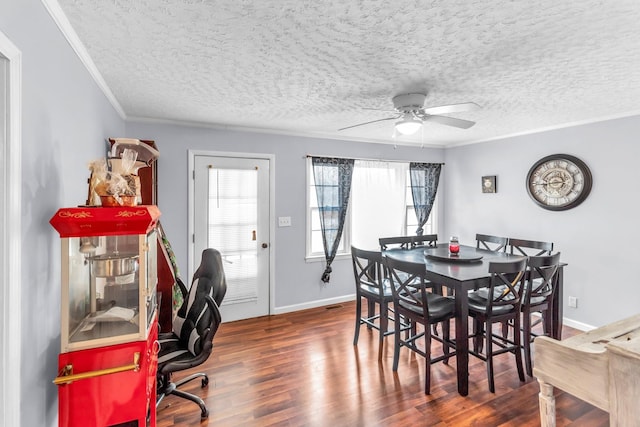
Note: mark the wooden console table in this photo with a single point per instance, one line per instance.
(601, 367)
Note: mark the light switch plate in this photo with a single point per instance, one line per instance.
(284, 221)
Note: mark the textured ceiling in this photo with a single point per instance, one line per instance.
(312, 67)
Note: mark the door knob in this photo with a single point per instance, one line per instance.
(265, 246)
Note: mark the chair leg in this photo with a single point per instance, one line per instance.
(358, 317)
(505, 329)
(396, 340)
(427, 358)
(489, 355)
(371, 310)
(477, 335)
(518, 348)
(204, 412)
(205, 379)
(437, 289)
(384, 325)
(446, 329)
(526, 342)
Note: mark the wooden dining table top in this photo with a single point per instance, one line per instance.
(454, 270)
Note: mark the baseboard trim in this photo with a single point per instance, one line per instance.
(346, 298)
(313, 304)
(577, 325)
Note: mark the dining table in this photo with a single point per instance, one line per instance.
(462, 272)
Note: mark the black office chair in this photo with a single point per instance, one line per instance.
(194, 327)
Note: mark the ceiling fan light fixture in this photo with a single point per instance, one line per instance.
(408, 125)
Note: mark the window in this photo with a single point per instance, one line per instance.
(380, 204)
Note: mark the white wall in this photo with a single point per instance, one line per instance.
(65, 118)
(598, 239)
(297, 283)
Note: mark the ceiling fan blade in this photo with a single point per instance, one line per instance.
(378, 109)
(449, 121)
(452, 108)
(366, 123)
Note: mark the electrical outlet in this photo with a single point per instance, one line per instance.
(284, 221)
(573, 302)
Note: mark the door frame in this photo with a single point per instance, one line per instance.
(10, 276)
(192, 260)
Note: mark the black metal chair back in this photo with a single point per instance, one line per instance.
(507, 286)
(529, 247)
(408, 242)
(492, 243)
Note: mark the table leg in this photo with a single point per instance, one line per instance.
(462, 341)
(557, 307)
(547, 402)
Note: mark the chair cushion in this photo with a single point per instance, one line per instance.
(538, 299)
(478, 302)
(373, 290)
(439, 306)
(170, 349)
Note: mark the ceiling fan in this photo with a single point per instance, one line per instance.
(411, 114)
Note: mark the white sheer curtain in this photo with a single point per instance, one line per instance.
(378, 201)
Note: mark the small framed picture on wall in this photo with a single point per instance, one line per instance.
(489, 184)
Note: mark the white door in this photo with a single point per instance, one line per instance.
(231, 214)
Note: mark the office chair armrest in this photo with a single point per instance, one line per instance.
(183, 288)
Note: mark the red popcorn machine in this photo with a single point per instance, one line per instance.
(108, 357)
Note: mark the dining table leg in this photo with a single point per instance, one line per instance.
(557, 306)
(462, 341)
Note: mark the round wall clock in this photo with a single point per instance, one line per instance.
(559, 182)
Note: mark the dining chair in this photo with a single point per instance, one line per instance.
(375, 290)
(411, 242)
(526, 248)
(426, 240)
(529, 247)
(499, 303)
(408, 242)
(400, 242)
(413, 302)
(492, 243)
(538, 299)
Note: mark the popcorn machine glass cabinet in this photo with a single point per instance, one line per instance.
(108, 290)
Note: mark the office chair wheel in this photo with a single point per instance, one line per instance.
(205, 382)
(204, 415)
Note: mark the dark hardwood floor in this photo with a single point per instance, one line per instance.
(301, 369)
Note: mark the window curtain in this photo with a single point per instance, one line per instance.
(378, 204)
(424, 185)
(332, 178)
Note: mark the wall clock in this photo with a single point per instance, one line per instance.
(559, 182)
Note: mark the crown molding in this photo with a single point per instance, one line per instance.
(70, 34)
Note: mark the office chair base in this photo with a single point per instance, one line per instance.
(172, 388)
